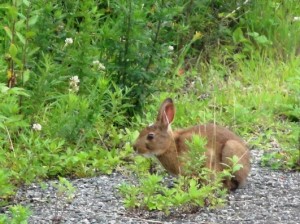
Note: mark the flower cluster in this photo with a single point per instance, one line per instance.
(37, 127)
(98, 65)
(296, 19)
(68, 41)
(198, 35)
(171, 48)
(74, 84)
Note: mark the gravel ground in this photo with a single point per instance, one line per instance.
(269, 197)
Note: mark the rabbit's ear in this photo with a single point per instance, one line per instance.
(166, 112)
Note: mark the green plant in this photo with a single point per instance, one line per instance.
(7, 188)
(10, 117)
(64, 194)
(186, 194)
(18, 215)
(193, 190)
(194, 159)
(273, 26)
(283, 160)
(81, 74)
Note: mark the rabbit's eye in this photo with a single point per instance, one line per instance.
(150, 136)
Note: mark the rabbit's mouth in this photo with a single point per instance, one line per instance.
(147, 155)
(144, 151)
(140, 150)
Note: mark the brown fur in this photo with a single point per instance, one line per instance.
(168, 146)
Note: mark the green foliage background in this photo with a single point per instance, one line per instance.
(223, 61)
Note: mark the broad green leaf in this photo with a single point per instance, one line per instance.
(4, 6)
(2, 126)
(3, 88)
(32, 21)
(238, 36)
(27, 3)
(236, 167)
(13, 50)
(18, 61)
(8, 32)
(253, 34)
(22, 16)
(26, 76)
(30, 34)
(21, 38)
(12, 12)
(20, 24)
(262, 40)
(18, 2)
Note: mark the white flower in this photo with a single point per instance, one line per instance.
(96, 62)
(100, 65)
(296, 19)
(74, 79)
(61, 26)
(69, 41)
(37, 127)
(171, 48)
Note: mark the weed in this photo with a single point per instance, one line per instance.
(191, 191)
(74, 80)
(18, 214)
(64, 195)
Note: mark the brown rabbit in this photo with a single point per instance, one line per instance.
(159, 140)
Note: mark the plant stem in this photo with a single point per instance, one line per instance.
(10, 141)
(126, 47)
(24, 58)
(155, 40)
(12, 79)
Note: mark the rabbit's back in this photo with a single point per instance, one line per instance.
(221, 145)
(215, 135)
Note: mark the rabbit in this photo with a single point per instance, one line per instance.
(167, 146)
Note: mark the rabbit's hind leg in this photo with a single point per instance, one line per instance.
(235, 148)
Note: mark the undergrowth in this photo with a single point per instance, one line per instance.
(195, 189)
(76, 76)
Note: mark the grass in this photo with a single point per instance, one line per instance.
(259, 100)
(240, 71)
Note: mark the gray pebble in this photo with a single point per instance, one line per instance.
(269, 197)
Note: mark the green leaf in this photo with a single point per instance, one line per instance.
(238, 36)
(236, 167)
(32, 21)
(226, 173)
(19, 25)
(18, 61)
(13, 50)
(4, 6)
(3, 88)
(235, 159)
(27, 3)
(21, 38)
(18, 91)
(262, 40)
(253, 34)
(12, 12)
(8, 32)
(26, 76)
(30, 34)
